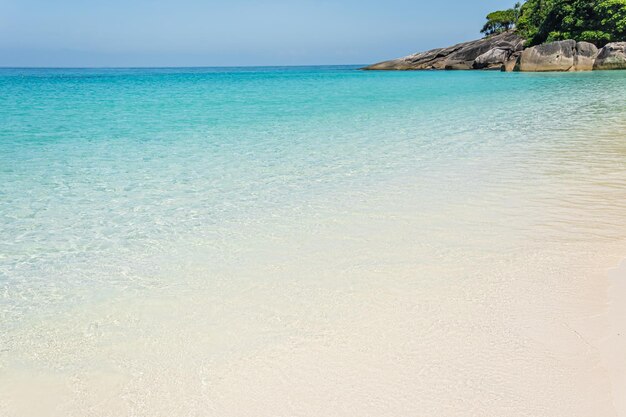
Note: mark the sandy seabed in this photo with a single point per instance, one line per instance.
(342, 318)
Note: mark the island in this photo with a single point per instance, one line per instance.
(539, 35)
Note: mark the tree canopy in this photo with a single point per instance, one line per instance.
(539, 21)
(499, 21)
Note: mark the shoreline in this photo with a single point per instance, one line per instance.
(355, 245)
(614, 347)
(566, 342)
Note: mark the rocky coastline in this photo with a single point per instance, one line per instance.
(506, 52)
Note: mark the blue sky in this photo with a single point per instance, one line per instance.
(64, 33)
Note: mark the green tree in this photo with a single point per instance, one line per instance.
(597, 21)
(612, 17)
(500, 21)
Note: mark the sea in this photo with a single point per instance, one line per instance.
(308, 241)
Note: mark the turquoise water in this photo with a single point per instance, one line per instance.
(123, 184)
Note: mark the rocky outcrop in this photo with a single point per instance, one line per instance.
(555, 56)
(492, 59)
(566, 55)
(487, 53)
(506, 51)
(509, 65)
(585, 56)
(611, 57)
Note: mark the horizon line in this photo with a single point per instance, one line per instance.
(181, 66)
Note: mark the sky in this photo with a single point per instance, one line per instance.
(139, 33)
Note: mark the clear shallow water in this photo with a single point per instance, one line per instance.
(252, 212)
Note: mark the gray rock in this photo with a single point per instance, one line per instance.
(554, 56)
(611, 57)
(457, 65)
(506, 51)
(460, 56)
(585, 56)
(493, 58)
(510, 64)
